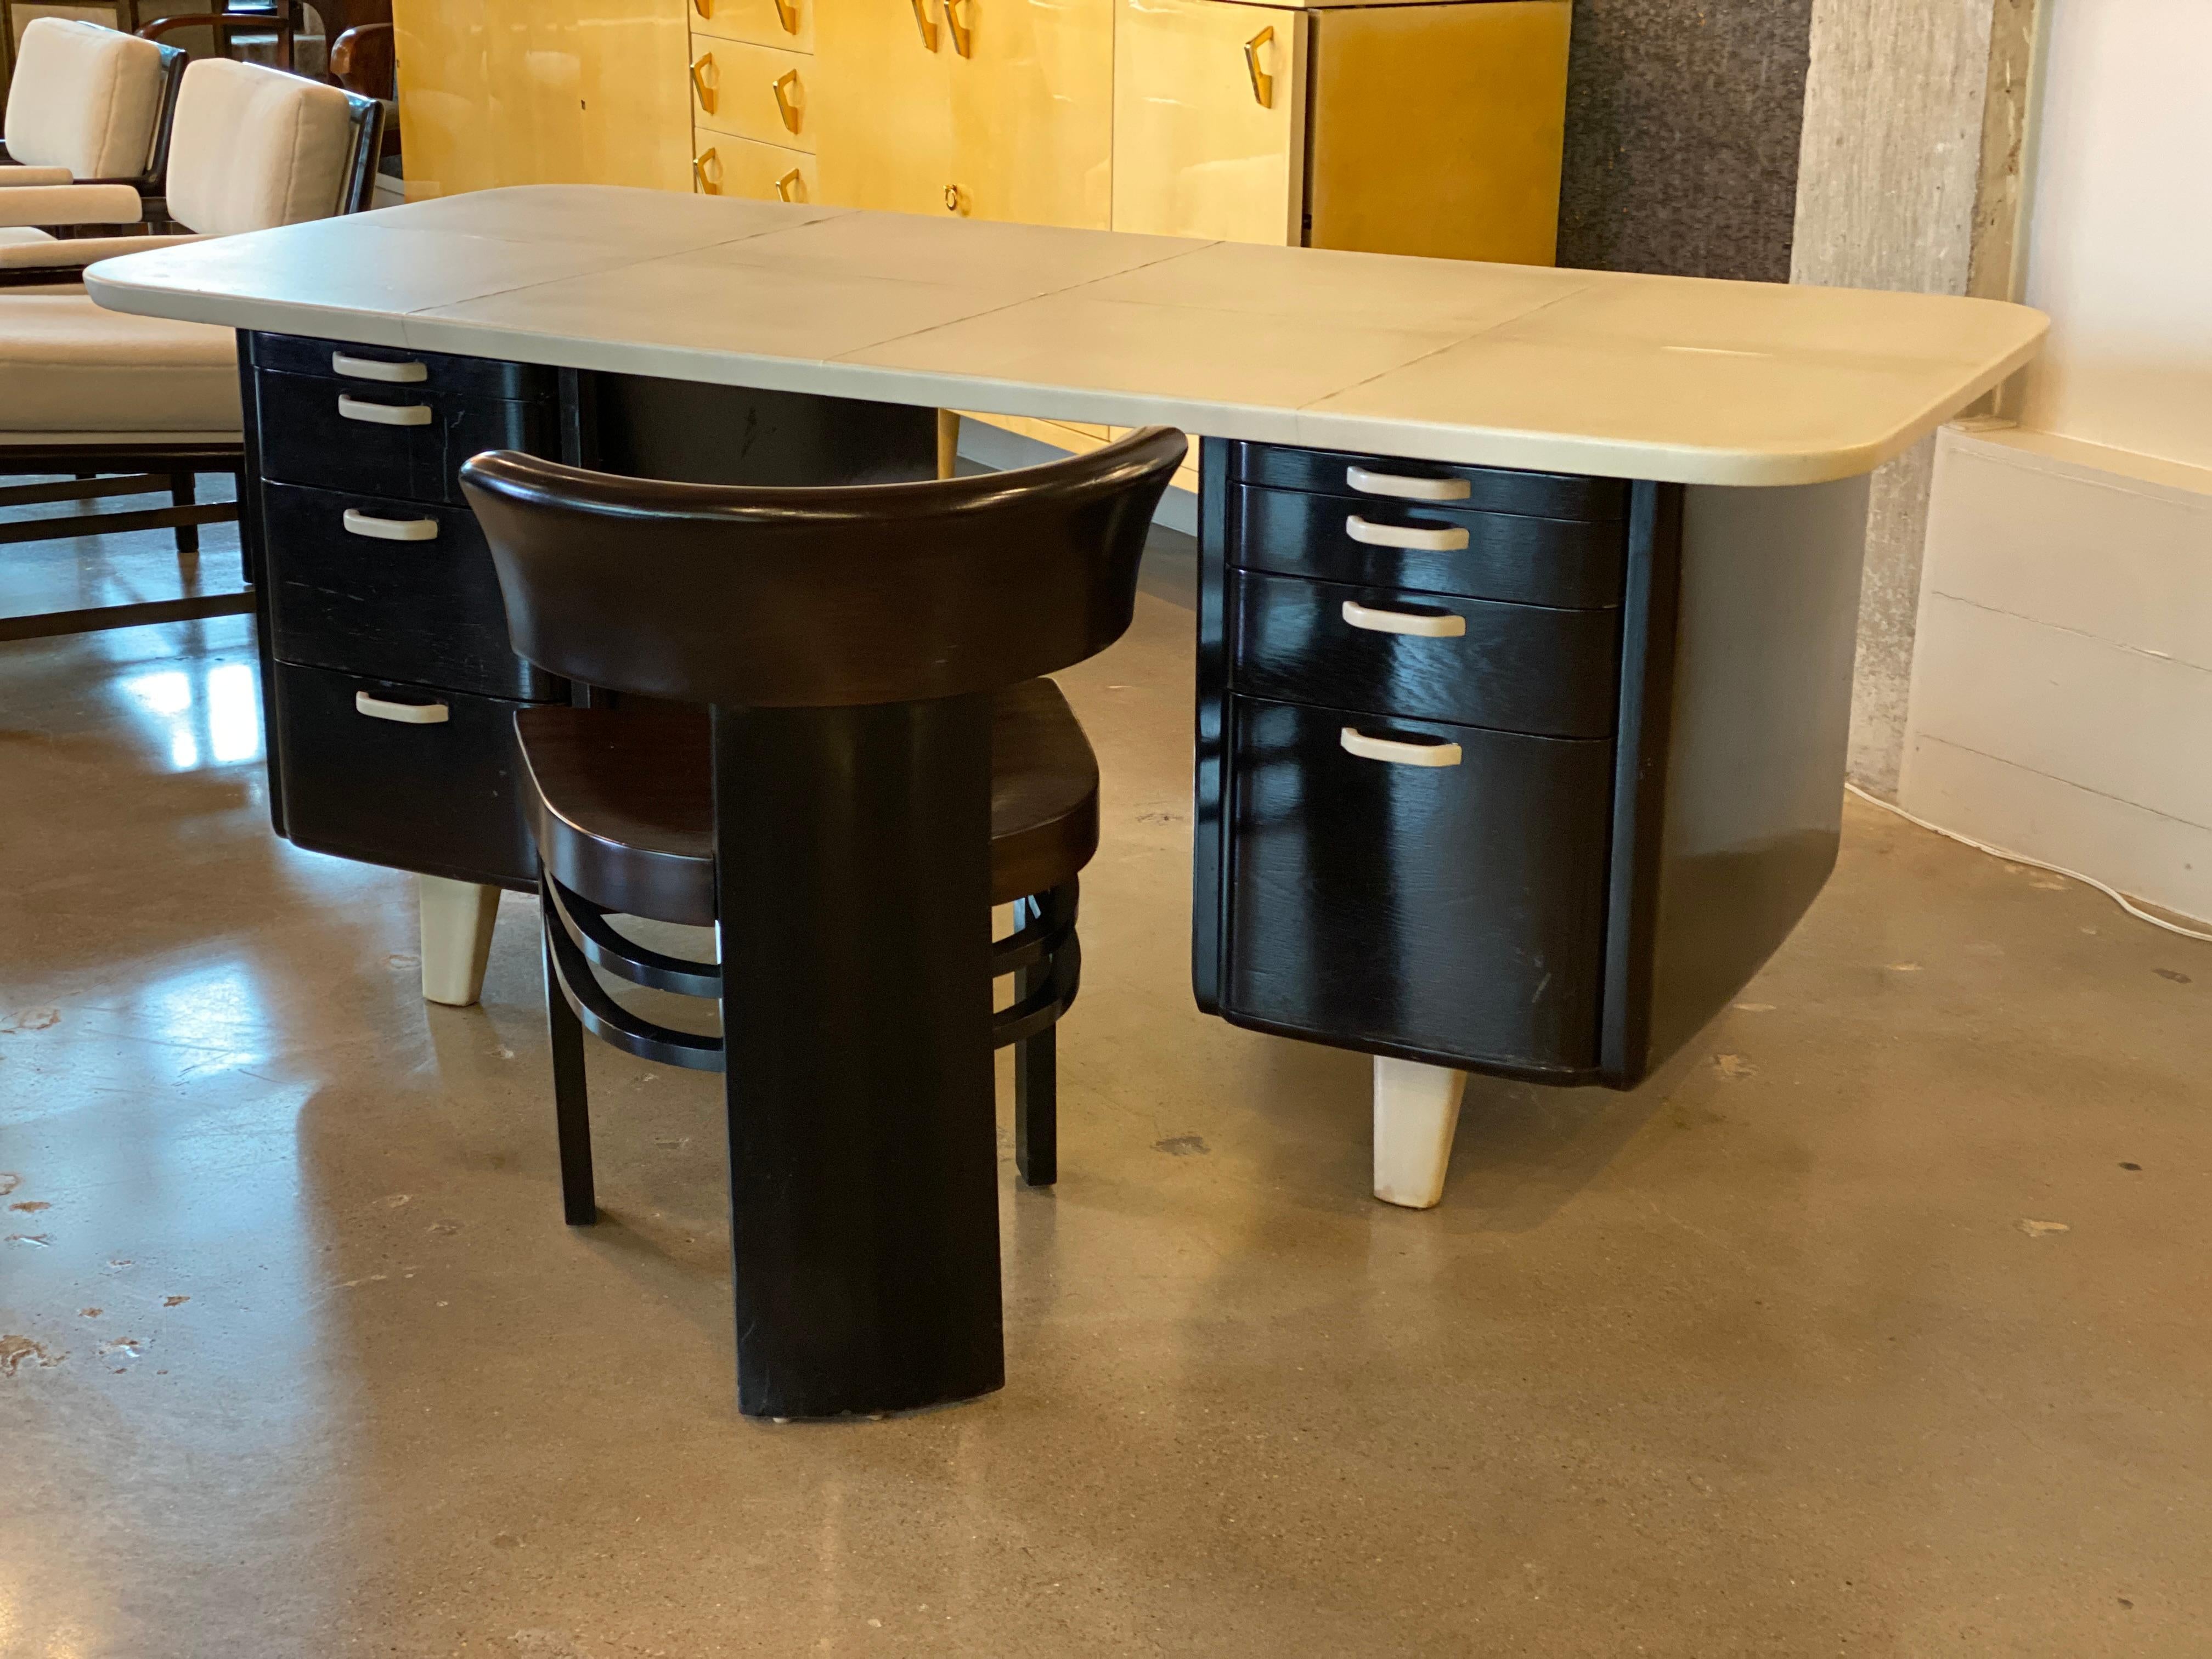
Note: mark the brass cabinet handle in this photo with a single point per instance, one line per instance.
(701, 69)
(709, 184)
(1263, 84)
(921, 21)
(784, 105)
(961, 36)
(787, 13)
(953, 198)
(785, 186)
(704, 7)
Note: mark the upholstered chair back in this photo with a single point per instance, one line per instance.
(84, 98)
(254, 148)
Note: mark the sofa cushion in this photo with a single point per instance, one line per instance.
(253, 148)
(84, 98)
(68, 366)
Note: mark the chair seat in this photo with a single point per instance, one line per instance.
(622, 801)
(68, 366)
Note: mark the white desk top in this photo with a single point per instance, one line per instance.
(1575, 371)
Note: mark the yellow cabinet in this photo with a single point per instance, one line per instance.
(760, 93)
(997, 109)
(1209, 105)
(1031, 84)
(519, 92)
(886, 131)
(767, 172)
(1391, 128)
(1439, 129)
(786, 23)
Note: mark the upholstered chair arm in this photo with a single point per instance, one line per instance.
(45, 264)
(21, 176)
(72, 205)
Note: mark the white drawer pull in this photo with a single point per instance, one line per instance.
(1356, 742)
(1396, 535)
(358, 523)
(383, 414)
(1408, 489)
(1449, 626)
(369, 369)
(406, 714)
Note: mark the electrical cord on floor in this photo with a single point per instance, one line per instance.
(2111, 893)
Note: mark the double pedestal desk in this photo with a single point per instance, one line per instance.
(1527, 602)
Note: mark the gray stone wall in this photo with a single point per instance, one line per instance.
(1684, 119)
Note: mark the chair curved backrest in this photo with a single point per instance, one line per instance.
(820, 598)
(254, 148)
(84, 98)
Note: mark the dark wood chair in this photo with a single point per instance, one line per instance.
(277, 18)
(869, 760)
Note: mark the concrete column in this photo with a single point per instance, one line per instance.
(1912, 176)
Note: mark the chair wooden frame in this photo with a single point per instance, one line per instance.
(131, 465)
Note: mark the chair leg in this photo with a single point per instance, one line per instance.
(1036, 1093)
(184, 490)
(572, 1101)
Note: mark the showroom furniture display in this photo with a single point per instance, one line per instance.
(137, 403)
(1434, 129)
(868, 763)
(1527, 596)
(92, 107)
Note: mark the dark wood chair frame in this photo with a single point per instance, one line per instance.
(1043, 954)
(852, 777)
(105, 469)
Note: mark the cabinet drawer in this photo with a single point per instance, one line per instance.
(436, 797)
(766, 173)
(1519, 667)
(786, 23)
(426, 611)
(1455, 910)
(338, 435)
(394, 367)
(752, 92)
(1488, 489)
(1478, 555)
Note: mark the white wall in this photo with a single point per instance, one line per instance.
(2120, 231)
(2061, 702)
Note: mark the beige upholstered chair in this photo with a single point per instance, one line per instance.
(86, 390)
(87, 106)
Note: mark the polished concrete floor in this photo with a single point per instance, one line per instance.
(1883, 1325)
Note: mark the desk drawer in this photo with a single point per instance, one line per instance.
(425, 611)
(759, 92)
(439, 798)
(1433, 549)
(1518, 667)
(1456, 910)
(404, 443)
(394, 367)
(1471, 489)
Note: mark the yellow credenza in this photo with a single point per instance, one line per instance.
(1396, 126)
(527, 92)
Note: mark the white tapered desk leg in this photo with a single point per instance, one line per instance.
(457, 924)
(1416, 1110)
